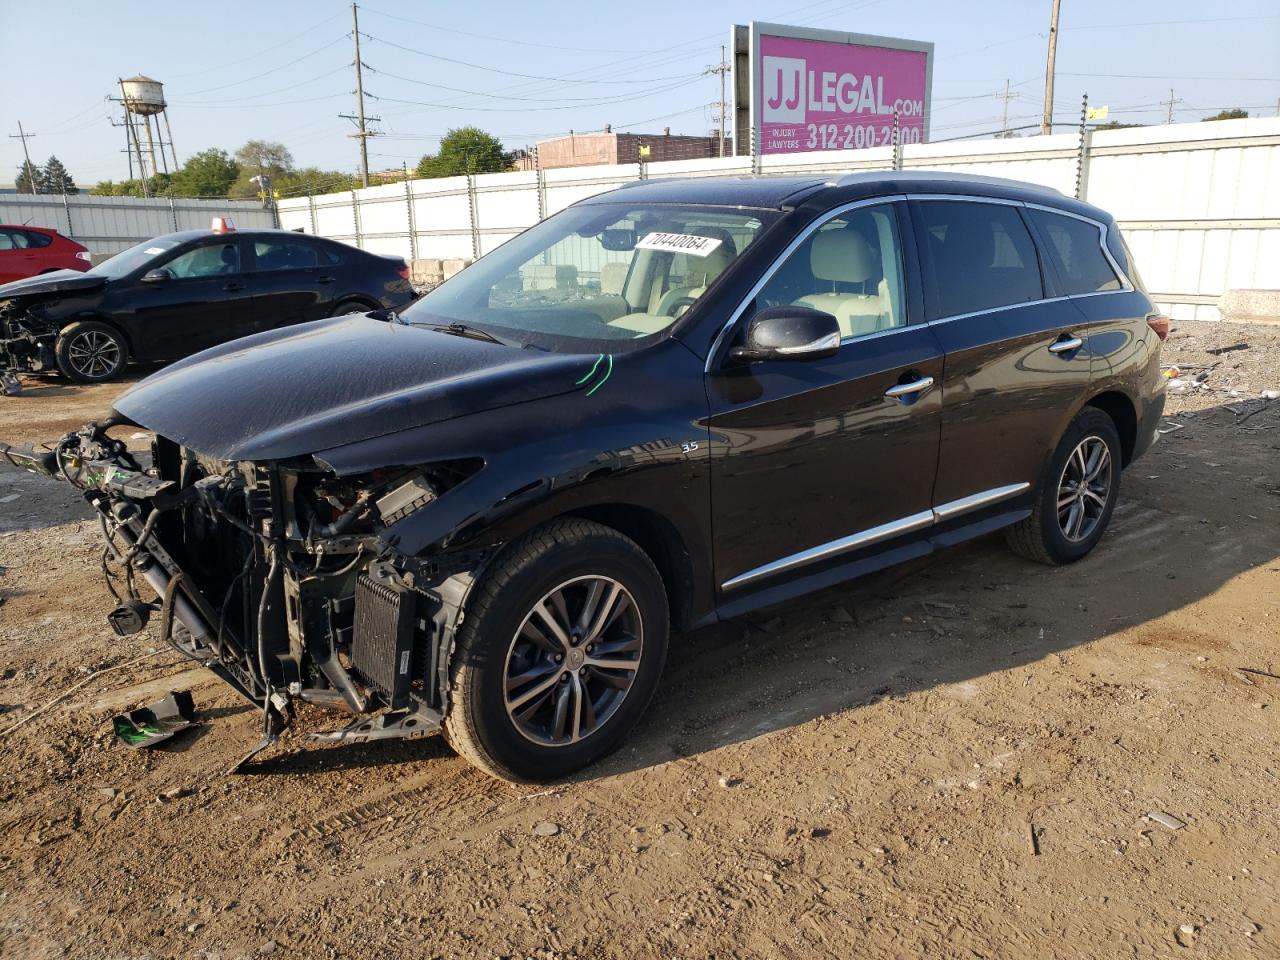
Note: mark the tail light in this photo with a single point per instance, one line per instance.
(404, 271)
(84, 255)
(1159, 325)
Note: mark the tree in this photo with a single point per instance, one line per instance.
(158, 185)
(465, 150)
(298, 183)
(209, 173)
(1117, 125)
(28, 174)
(258, 158)
(54, 178)
(1235, 113)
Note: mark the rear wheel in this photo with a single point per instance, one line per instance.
(90, 352)
(559, 654)
(1076, 495)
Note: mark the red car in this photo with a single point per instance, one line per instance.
(27, 251)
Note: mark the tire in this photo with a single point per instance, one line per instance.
(90, 352)
(520, 732)
(1055, 534)
(344, 307)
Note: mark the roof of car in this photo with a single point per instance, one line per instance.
(182, 236)
(778, 192)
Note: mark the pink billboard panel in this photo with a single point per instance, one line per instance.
(824, 95)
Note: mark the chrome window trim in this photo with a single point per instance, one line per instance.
(865, 538)
(1127, 285)
(778, 261)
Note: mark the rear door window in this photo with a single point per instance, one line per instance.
(978, 256)
(37, 239)
(1075, 247)
(284, 254)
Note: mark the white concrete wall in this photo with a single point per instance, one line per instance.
(108, 225)
(1199, 203)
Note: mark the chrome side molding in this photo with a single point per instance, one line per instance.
(885, 531)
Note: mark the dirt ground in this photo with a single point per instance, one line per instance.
(956, 758)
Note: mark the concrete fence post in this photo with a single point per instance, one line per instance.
(66, 209)
(1082, 151)
(408, 204)
(473, 215)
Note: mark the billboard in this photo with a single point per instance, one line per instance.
(802, 90)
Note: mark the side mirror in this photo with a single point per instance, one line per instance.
(618, 240)
(789, 333)
(158, 275)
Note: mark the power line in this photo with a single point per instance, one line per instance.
(486, 36)
(265, 73)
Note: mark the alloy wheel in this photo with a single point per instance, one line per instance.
(573, 660)
(93, 354)
(1084, 488)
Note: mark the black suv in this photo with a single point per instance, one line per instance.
(178, 294)
(666, 405)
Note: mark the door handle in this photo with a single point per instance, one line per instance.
(1066, 346)
(233, 286)
(325, 279)
(909, 389)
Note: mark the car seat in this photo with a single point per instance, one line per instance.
(844, 259)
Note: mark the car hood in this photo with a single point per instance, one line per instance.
(291, 392)
(59, 281)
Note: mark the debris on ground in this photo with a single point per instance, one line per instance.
(1166, 820)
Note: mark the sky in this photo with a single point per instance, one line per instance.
(282, 69)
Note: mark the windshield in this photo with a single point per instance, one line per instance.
(130, 260)
(602, 272)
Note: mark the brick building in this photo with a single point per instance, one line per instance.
(606, 146)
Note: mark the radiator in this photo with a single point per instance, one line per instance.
(382, 639)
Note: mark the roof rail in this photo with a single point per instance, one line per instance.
(934, 175)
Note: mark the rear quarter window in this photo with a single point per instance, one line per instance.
(37, 239)
(1075, 249)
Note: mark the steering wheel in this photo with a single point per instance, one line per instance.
(679, 305)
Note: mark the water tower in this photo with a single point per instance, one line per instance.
(143, 98)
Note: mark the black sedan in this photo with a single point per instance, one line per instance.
(173, 296)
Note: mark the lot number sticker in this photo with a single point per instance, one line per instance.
(678, 243)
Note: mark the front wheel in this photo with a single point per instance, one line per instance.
(559, 654)
(90, 352)
(1076, 496)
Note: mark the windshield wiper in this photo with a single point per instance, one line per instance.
(462, 330)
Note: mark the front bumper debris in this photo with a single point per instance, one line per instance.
(273, 578)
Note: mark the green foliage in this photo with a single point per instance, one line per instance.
(298, 183)
(1235, 113)
(157, 186)
(465, 150)
(1117, 125)
(258, 158)
(27, 174)
(209, 173)
(55, 178)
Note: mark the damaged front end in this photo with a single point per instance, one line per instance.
(278, 576)
(27, 343)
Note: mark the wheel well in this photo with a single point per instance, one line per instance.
(106, 323)
(661, 541)
(354, 301)
(1120, 409)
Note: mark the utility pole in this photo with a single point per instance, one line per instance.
(721, 68)
(363, 134)
(1046, 123)
(1004, 110)
(31, 171)
(1171, 101)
